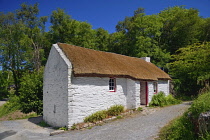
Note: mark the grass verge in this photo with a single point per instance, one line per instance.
(185, 127)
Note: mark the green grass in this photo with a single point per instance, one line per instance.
(43, 124)
(115, 110)
(182, 128)
(97, 116)
(8, 108)
(100, 115)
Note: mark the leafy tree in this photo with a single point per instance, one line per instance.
(192, 68)
(180, 27)
(5, 81)
(102, 39)
(65, 29)
(140, 35)
(13, 46)
(22, 38)
(204, 30)
(35, 31)
(31, 92)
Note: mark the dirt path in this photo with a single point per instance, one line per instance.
(143, 126)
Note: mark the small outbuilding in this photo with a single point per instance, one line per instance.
(80, 81)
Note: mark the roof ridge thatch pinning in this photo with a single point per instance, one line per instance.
(93, 63)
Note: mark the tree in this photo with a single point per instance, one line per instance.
(140, 36)
(102, 39)
(13, 46)
(180, 28)
(22, 38)
(191, 68)
(67, 30)
(35, 31)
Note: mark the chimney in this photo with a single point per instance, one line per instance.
(147, 59)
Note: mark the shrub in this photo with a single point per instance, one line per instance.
(201, 104)
(31, 92)
(97, 116)
(161, 100)
(158, 100)
(170, 100)
(115, 110)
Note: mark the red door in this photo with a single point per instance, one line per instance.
(146, 93)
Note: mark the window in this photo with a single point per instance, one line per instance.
(155, 87)
(112, 84)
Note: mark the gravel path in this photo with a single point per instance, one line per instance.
(141, 126)
(2, 102)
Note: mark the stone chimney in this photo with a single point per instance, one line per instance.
(147, 59)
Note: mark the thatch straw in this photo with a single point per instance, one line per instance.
(92, 63)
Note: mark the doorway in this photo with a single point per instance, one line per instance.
(144, 93)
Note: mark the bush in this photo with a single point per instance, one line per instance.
(183, 127)
(161, 100)
(170, 100)
(115, 110)
(97, 116)
(201, 104)
(158, 100)
(31, 92)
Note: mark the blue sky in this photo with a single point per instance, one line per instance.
(105, 13)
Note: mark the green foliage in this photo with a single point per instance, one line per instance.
(43, 124)
(73, 127)
(119, 117)
(5, 81)
(100, 115)
(139, 109)
(178, 129)
(31, 93)
(183, 128)
(161, 100)
(9, 107)
(115, 110)
(158, 100)
(63, 128)
(97, 116)
(191, 67)
(201, 104)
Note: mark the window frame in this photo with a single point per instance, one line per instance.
(112, 84)
(155, 87)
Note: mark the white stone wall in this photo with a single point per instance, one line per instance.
(163, 85)
(55, 88)
(91, 94)
(150, 91)
(133, 94)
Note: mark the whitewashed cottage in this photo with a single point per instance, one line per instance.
(80, 81)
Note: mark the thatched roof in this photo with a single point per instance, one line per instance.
(92, 63)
